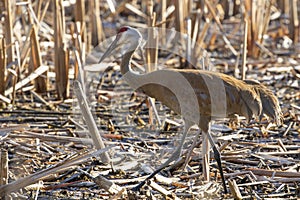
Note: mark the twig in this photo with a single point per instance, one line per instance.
(235, 190)
(273, 173)
(26, 80)
(288, 129)
(162, 190)
(40, 175)
(36, 60)
(106, 184)
(61, 57)
(4, 169)
(87, 115)
(2, 65)
(9, 29)
(244, 56)
(210, 8)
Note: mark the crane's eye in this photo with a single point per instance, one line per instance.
(123, 29)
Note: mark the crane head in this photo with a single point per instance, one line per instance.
(127, 37)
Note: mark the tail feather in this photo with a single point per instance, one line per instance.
(270, 104)
(253, 104)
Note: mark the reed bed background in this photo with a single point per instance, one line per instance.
(58, 29)
(45, 46)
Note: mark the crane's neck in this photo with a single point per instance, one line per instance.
(134, 79)
(126, 62)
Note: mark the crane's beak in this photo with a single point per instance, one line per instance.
(110, 49)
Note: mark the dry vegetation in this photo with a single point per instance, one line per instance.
(47, 152)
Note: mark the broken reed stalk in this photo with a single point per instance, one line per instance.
(79, 11)
(244, 55)
(36, 60)
(202, 34)
(111, 6)
(152, 42)
(294, 21)
(180, 16)
(79, 72)
(8, 35)
(14, 85)
(60, 53)
(40, 70)
(38, 9)
(79, 49)
(151, 53)
(189, 48)
(2, 65)
(118, 10)
(259, 17)
(235, 191)
(218, 22)
(274, 173)
(81, 25)
(82, 42)
(4, 169)
(25, 49)
(163, 21)
(135, 10)
(89, 120)
(75, 159)
(196, 30)
(107, 185)
(9, 18)
(95, 22)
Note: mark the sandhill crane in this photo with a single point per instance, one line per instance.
(198, 96)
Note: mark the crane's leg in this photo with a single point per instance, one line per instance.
(190, 150)
(205, 156)
(217, 156)
(174, 156)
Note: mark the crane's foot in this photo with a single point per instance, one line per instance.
(139, 186)
(174, 156)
